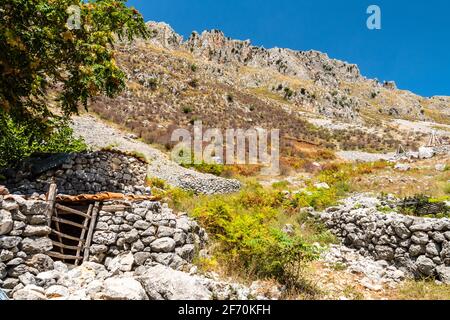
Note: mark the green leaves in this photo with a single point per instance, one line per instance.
(43, 63)
(21, 140)
(39, 54)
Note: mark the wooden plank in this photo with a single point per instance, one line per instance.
(65, 235)
(83, 232)
(115, 208)
(62, 256)
(64, 221)
(90, 233)
(59, 230)
(65, 246)
(72, 211)
(51, 197)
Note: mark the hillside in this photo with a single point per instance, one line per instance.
(231, 84)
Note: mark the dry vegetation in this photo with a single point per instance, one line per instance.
(170, 89)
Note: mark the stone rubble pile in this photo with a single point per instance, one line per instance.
(417, 246)
(376, 274)
(92, 281)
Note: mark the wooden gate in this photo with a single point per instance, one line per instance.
(72, 229)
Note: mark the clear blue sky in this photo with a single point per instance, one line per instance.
(413, 47)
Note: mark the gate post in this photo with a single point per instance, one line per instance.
(51, 198)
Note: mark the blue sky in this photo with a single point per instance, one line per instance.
(412, 48)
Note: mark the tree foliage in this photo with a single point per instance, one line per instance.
(20, 140)
(53, 59)
(40, 54)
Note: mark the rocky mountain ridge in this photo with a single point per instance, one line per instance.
(231, 84)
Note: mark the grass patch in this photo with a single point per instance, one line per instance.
(422, 290)
(447, 188)
(280, 185)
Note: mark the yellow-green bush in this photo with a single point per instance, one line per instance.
(244, 227)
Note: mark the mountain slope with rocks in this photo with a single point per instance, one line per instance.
(229, 83)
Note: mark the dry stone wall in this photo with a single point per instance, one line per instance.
(24, 240)
(88, 173)
(419, 246)
(149, 232)
(138, 234)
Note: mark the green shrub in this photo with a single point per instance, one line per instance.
(21, 140)
(244, 228)
(156, 183)
(187, 110)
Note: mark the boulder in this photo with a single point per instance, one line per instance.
(425, 265)
(6, 255)
(30, 292)
(425, 226)
(123, 262)
(184, 224)
(186, 252)
(402, 167)
(322, 185)
(104, 237)
(416, 250)
(164, 283)
(443, 273)
(432, 249)
(34, 208)
(122, 289)
(39, 231)
(165, 232)
(420, 238)
(9, 242)
(440, 167)
(41, 262)
(384, 253)
(6, 222)
(163, 245)
(141, 257)
(57, 292)
(36, 245)
(426, 153)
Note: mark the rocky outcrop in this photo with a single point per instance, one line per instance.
(84, 173)
(418, 246)
(307, 65)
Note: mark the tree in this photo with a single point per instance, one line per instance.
(55, 55)
(44, 55)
